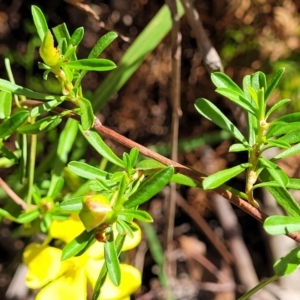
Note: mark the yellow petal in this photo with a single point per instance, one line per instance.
(71, 285)
(131, 243)
(96, 251)
(43, 264)
(66, 230)
(130, 281)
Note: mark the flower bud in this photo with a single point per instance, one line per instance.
(48, 52)
(96, 210)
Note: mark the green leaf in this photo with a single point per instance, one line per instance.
(121, 191)
(266, 184)
(212, 113)
(294, 183)
(112, 261)
(56, 187)
(42, 125)
(251, 119)
(126, 161)
(91, 64)
(238, 148)
(45, 107)
(86, 171)
(133, 154)
(276, 106)
(86, 113)
(39, 21)
(278, 143)
(149, 164)
(281, 225)
(288, 263)
(184, 180)
(10, 87)
(218, 178)
(289, 152)
(237, 99)
(98, 48)
(273, 83)
(72, 204)
(98, 144)
(9, 126)
(124, 228)
(5, 104)
(136, 214)
(274, 172)
(28, 216)
(280, 128)
(291, 137)
(147, 40)
(61, 34)
(282, 196)
(77, 36)
(150, 187)
(77, 245)
(221, 80)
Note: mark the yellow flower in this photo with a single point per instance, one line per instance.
(69, 279)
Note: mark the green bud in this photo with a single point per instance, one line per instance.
(96, 210)
(48, 52)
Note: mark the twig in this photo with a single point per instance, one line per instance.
(179, 168)
(210, 56)
(12, 194)
(176, 114)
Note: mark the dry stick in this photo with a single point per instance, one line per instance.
(210, 56)
(12, 194)
(170, 265)
(179, 168)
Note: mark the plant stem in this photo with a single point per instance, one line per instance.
(31, 169)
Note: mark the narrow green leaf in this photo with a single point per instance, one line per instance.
(291, 137)
(112, 261)
(45, 107)
(281, 224)
(77, 36)
(7, 215)
(147, 40)
(184, 180)
(98, 48)
(77, 245)
(282, 196)
(72, 204)
(98, 144)
(10, 87)
(9, 126)
(237, 99)
(221, 80)
(278, 143)
(289, 152)
(28, 216)
(288, 263)
(86, 171)
(150, 187)
(133, 154)
(5, 104)
(148, 164)
(212, 113)
(124, 228)
(251, 119)
(280, 128)
(121, 191)
(56, 187)
(61, 33)
(276, 106)
(273, 83)
(39, 21)
(265, 184)
(42, 125)
(86, 113)
(126, 161)
(91, 64)
(238, 148)
(294, 183)
(274, 172)
(218, 178)
(136, 214)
